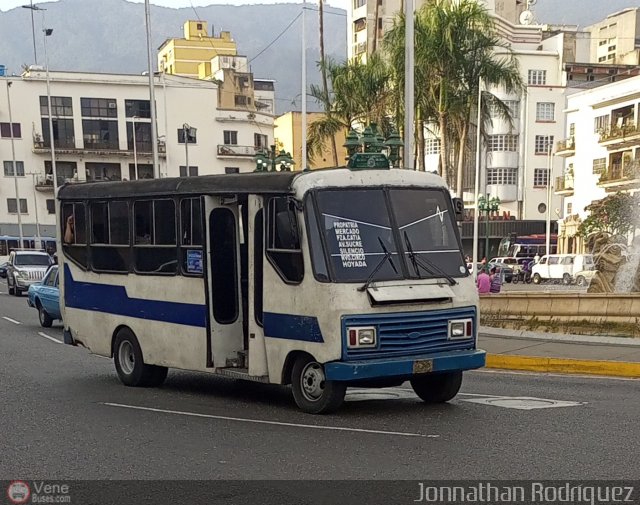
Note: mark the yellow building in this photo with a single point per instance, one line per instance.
(184, 56)
(288, 134)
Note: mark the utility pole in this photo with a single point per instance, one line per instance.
(152, 95)
(15, 166)
(303, 119)
(409, 84)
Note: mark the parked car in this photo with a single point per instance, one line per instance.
(561, 267)
(45, 296)
(584, 277)
(3, 270)
(506, 261)
(26, 267)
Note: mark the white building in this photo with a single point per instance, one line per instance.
(94, 120)
(601, 152)
(616, 39)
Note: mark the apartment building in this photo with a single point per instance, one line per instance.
(185, 56)
(616, 39)
(601, 152)
(102, 132)
(369, 20)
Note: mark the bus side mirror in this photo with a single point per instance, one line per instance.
(458, 207)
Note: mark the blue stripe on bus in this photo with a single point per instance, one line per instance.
(112, 299)
(292, 327)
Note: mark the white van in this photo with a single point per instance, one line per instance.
(562, 267)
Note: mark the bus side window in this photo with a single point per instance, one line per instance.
(110, 250)
(76, 248)
(155, 249)
(283, 240)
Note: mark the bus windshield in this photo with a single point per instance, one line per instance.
(403, 233)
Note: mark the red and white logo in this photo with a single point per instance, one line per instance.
(18, 492)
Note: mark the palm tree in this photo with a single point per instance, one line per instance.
(456, 45)
(359, 95)
(325, 87)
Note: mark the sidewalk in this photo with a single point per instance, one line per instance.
(560, 353)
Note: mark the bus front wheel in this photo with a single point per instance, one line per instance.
(130, 365)
(312, 392)
(437, 388)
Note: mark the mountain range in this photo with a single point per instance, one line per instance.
(109, 35)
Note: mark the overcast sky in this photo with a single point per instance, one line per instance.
(10, 4)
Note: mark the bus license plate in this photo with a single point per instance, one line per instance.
(423, 366)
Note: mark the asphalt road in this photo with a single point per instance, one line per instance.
(65, 415)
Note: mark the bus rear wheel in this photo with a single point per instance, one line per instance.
(130, 364)
(437, 388)
(312, 392)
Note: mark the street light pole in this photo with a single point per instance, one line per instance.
(152, 95)
(476, 190)
(47, 32)
(409, 84)
(15, 168)
(35, 208)
(33, 28)
(549, 182)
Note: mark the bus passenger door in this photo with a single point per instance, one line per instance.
(257, 349)
(222, 263)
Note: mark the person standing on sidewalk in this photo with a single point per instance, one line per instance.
(484, 282)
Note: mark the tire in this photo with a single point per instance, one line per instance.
(130, 365)
(581, 281)
(566, 279)
(437, 388)
(515, 279)
(311, 391)
(45, 319)
(537, 279)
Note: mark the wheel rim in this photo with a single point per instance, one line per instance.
(312, 381)
(41, 314)
(126, 358)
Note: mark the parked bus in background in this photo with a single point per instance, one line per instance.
(528, 246)
(9, 243)
(323, 280)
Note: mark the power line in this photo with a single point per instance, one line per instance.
(276, 39)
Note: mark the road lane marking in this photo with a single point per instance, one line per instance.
(11, 320)
(274, 423)
(50, 338)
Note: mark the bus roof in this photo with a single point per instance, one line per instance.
(254, 182)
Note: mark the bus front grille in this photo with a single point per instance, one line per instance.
(408, 333)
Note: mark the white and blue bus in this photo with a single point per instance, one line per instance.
(323, 280)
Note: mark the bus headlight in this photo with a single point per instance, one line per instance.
(460, 329)
(361, 337)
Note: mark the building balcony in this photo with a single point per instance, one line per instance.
(566, 147)
(234, 151)
(626, 135)
(564, 185)
(44, 183)
(621, 176)
(100, 149)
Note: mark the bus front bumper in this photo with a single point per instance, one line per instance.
(406, 367)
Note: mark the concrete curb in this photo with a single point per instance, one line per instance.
(490, 332)
(563, 365)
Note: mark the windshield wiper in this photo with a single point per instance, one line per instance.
(387, 256)
(425, 263)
